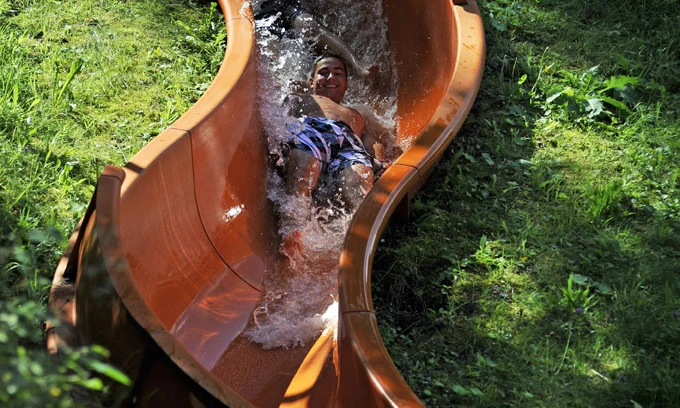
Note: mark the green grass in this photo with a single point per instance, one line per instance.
(83, 83)
(541, 264)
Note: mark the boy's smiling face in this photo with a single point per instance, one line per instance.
(330, 79)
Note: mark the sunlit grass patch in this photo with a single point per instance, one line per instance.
(83, 84)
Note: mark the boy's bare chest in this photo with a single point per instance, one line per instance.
(324, 107)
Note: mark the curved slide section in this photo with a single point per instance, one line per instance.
(166, 266)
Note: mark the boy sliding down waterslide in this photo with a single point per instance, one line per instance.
(290, 14)
(328, 142)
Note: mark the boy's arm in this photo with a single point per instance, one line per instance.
(294, 103)
(359, 123)
(374, 147)
(379, 151)
(372, 143)
(326, 40)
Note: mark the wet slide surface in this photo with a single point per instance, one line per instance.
(169, 262)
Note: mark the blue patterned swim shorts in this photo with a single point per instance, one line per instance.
(332, 142)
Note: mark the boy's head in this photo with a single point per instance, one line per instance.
(329, 77)
(323, 57)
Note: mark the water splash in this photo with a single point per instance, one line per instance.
(300, 298)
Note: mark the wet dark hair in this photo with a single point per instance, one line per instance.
(323, 57)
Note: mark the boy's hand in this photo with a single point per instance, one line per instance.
(379, 151)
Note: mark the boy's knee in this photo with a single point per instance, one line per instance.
(357, 177)
(303, 172)
(364, 172)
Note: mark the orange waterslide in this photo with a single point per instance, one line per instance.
(157, 274)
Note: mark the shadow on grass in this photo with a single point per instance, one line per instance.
(471, 294)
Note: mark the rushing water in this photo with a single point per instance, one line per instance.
(300, 298)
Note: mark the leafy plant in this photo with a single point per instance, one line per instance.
(586, 98)
(30, 377)
(576, 299)
(587, 282)
(61, 88)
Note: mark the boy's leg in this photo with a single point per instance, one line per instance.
(355, 181)
(303, 173)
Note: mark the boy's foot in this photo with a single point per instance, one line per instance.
(291, 245)
(371, 72)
